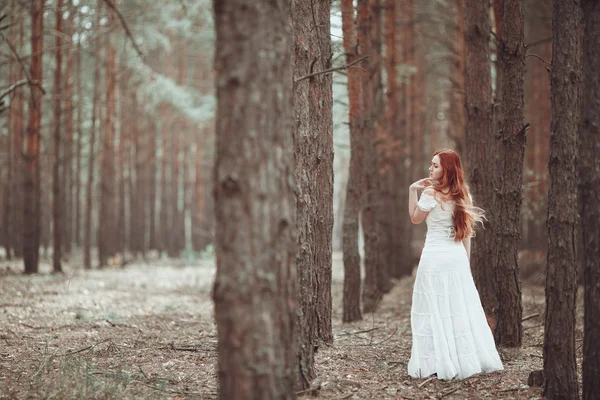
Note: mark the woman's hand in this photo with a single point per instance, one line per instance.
(420, 184)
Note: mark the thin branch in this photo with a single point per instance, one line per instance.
(538, 57)
(23, 66)
(530, 317)
(327, 71)
(15, 85)
(126, 27)
(536, 42)
(68, 353)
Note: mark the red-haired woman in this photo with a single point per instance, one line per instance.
(450, 333)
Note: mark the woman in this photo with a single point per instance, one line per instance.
(450, 334)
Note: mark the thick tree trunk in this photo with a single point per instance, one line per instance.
(57, 198)
(31, 184)
(87, 239)
(509, 329)
(313, 143)
(255, 205)
(589, 190)
(354, 188)
(107, 227)
(560, 367)
(481, 154)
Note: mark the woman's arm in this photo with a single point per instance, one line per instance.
(467, 243)
(416, 214)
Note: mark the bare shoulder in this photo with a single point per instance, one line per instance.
(429, 191)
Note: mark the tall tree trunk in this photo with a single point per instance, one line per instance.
(387, 150)
(123, 159)
(480, 141)
(107, 227)
(165, 184)
(403, 127)
(77, 176)
(354, 188)
(509, 329)
(457, 94)
(87, 240)
(382, 276)
(539, 16)
(152, 163)
(560, 367)
(57, 198)
(313, 142)
(589, 175)
(13, 219)
(371, 294)
(31, 184)
(67, 164)
(255, 286)
(199, 205)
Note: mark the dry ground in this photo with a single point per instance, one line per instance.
(147, 331)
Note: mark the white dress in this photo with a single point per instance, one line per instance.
(450, 334)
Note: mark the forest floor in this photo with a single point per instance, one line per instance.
(147, 331)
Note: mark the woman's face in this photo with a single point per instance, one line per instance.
(436, 172)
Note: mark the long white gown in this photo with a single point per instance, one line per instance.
(450, 334)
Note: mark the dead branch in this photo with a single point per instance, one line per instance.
(388, 338)
(530, 317)
(536, 42)
(538, 57)
(171, 346)
(426, 382)
(513, 389)
(327, 71)
(70, 353)
(448, 392)
(126, 28)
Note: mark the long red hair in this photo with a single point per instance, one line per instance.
(453, 187)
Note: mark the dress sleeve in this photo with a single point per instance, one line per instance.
(427, 202)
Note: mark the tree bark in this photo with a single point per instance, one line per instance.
(560, 367)
(77, 176)
(87, 240)
(31, 184)
(107, 229)
(13, 222)
(57, 198)
(153, 165)
(122, 160)
(354, 188)
(255, 205)
(589, 190)
(481, 154)
(67, 162)
(313, 144)
(513, 136)
(371, 294)
(402, 123)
